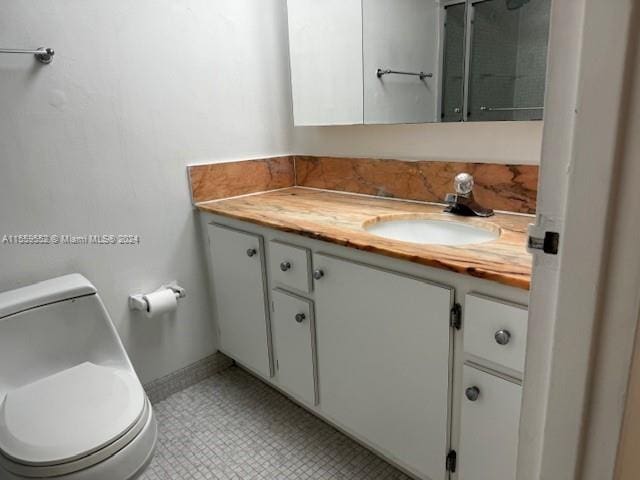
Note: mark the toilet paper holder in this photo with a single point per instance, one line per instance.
(138, 302)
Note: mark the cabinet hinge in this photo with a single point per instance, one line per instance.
(455, 316)
(452, 461)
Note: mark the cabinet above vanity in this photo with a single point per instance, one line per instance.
(417, 61)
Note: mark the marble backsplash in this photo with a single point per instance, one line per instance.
(501, 187)
(230, 179)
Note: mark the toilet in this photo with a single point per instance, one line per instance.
(71, 405)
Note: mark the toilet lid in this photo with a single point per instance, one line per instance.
(69, 415)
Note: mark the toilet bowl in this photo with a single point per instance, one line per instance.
(71, 405)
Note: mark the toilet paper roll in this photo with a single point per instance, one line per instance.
(160, 302)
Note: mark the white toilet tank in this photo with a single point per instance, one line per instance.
(52, 326)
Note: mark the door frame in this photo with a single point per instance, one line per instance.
(584, 301)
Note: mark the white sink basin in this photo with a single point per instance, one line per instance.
(431, 231)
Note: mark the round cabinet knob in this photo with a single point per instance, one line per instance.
(251, 252)
(472, 393)
(502, 337)
(284, 266)
(318, 274)
(300, 317)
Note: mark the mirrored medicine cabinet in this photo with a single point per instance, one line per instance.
(417, 61)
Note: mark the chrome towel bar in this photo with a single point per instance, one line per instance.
(508, 109)
(380, 73)
(43, 55)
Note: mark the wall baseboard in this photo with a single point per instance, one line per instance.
(161, 388)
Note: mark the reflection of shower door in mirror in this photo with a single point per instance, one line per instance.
(453, 63)
(507, 61)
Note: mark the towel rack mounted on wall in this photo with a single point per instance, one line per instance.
(380, 73)
(508, 109)
(42, 54)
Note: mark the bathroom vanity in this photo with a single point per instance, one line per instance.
(417, 351)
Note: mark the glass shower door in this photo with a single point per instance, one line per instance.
(507, 62)
(453, 63)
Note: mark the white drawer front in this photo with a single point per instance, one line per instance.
(290, 266)
(489, 432)
(483, 319)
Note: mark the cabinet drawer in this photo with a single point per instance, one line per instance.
(495, 331)
(294, 338)
(290, 266)
(489, 427)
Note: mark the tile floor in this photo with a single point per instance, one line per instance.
(233, 426)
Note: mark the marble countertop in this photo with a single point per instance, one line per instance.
(340, 218)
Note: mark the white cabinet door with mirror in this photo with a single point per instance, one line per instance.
(417, 61)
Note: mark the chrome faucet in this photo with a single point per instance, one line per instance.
(462, 202)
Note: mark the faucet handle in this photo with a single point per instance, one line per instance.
(463, 183)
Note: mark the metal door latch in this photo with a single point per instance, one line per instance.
(455, 316)
(547, 241)
(451, 461)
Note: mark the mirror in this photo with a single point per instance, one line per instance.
(417, 61)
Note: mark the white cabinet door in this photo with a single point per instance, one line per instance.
(240, 300)
(489, 433)
(294, 345)
(400, 35)
(325, 50)
(383, 360)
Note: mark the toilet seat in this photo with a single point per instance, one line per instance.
(71, 404)
(70, 420)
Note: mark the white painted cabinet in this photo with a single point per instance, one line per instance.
(290, 266)
(371, 350)
(495, 335)
(325, 50)
(400, 35)
(336, 48)
(237, 267)
(489, 433)
(294, 339)
(495, 332)
(383, 360)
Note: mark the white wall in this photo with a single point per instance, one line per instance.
(97, 142)
(495, 142)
